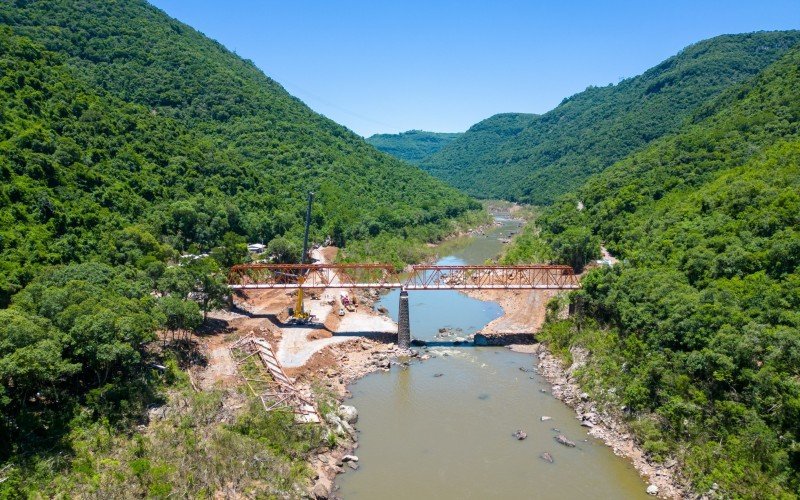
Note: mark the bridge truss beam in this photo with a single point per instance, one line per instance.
(311, 276)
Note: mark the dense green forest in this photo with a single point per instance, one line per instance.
(126, 140)
(147, 123)
(695, 334)
(542, 157)
(412, 146)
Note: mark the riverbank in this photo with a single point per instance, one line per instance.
(326, 358)
(608, 427)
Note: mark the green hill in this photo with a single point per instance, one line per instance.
(696, 333)
(556, 152)
(115, 114)
(412, 146)
(126, 139)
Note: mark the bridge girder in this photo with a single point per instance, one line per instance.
(420, 277)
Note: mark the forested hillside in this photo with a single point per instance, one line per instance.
(412, 146)
(478, 142)
(127, 139)
(128, 117)
(556, 152)
(696, 333)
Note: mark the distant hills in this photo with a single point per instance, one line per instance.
(535, 159)
(412, 146)
(115, 115)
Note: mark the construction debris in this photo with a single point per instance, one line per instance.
(283, 394)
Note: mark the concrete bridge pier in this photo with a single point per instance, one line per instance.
(403, 325)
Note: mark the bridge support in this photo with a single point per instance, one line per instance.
(403, 325)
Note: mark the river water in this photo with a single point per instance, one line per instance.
(442, 428)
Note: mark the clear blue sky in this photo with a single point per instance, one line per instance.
(378, 66)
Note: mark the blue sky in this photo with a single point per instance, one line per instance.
(377, 66)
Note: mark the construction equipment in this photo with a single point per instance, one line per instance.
(298, 313)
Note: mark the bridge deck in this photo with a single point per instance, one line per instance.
(311, 276)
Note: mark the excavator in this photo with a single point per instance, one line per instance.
(298, 314)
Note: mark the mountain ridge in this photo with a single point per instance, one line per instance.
(412, 145)
(557, 151)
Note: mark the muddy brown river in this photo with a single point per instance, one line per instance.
(442, 428)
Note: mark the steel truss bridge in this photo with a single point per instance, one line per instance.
(383, 276)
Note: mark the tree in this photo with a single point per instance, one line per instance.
(210, 287)
(283, 251)
(232, 251)
(179, 315)
(31, 359)
(576, 246)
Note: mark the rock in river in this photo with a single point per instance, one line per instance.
(563, 440)
(547, 457)
(321, 491)
(652, 489)
(348, 413)
(520, 435)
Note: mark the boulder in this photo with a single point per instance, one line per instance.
(349, 458)
(321, 491)
(562, 439)
(652, 490)
(349, 429)
(348, 413)
(337, 425)
(547, 457)
(545, 418)
(520, 435)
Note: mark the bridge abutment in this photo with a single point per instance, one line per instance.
(403, 324)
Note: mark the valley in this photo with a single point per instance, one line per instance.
(600, 299)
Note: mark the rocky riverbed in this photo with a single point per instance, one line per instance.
(664, 479)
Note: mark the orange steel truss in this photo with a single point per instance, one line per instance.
(254, 276)
(491, 278)
(310, 276)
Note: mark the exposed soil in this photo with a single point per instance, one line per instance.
(523, 310)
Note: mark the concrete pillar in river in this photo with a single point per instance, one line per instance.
(403, 325)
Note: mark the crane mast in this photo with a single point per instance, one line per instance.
(299, 313)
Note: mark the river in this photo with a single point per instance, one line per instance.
(442, 428)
